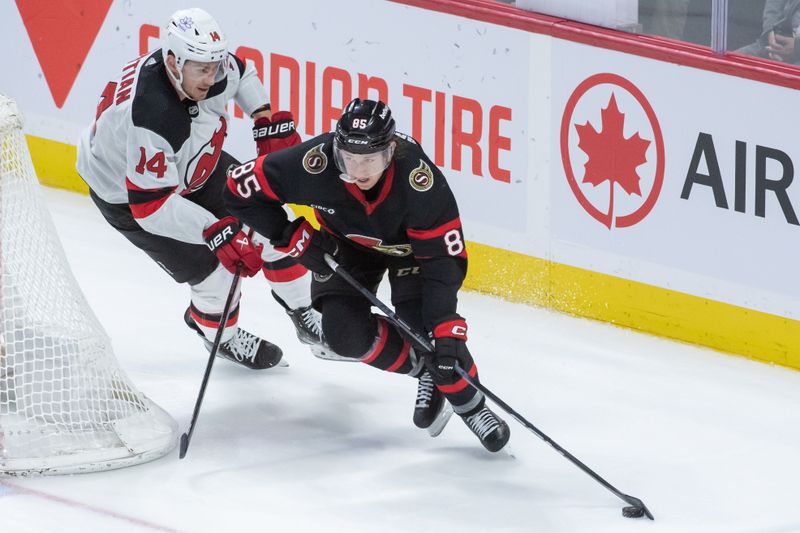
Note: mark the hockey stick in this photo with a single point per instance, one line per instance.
(637, 507)
(186, 437)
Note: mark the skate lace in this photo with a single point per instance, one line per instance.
(312, 321)
(243, 345)
(482, 423)
(425, 390)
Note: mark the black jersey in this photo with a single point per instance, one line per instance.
(411, 211)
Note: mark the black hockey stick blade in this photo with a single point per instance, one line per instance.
(637, 510)
(184, 447)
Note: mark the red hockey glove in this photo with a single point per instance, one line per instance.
(276, 134)
(450, 347)
(227, 240)
(307, 245)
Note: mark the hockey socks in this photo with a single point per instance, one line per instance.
(241, 346)
(390, 352)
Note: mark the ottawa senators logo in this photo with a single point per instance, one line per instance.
(421, 178)
(315, 160)
(395, 250)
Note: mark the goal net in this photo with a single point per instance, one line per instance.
(65, 404)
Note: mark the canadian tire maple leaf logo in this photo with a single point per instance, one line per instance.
(613, 158)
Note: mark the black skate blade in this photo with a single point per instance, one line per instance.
(322, 352)
(442, 417)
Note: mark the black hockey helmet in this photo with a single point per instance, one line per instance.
(366, 126)
(362, 143)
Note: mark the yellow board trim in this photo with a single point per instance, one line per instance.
(531, 280)
(639, 306)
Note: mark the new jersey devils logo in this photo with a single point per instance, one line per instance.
(610, 134)
(206, 159)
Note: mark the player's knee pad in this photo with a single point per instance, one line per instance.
(294, 288)
(290, 280)
(210, 294)
(347, 326)
(351, 330)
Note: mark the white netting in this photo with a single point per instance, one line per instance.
(65, 405)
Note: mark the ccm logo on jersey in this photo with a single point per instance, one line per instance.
(221, 238)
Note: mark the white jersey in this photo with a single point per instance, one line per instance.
(148, 149)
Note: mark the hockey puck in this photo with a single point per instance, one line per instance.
(632, 512)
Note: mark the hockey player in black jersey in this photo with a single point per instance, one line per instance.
(382, 205)
(155, 166)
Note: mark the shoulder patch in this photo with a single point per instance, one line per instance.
(421, 178)
(315, 160)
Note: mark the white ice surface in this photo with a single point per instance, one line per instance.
(708, 441)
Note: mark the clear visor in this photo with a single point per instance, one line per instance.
(200, 69)
(359, 166)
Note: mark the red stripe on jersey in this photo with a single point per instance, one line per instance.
(285, 274)
(383, 335)
(459, 385)
(358, 194)
(144, 209)
(400, 358)
(258, 170)
(435, 232)
(131, 186)
(148, 208)
(321, 221)
(232, 186)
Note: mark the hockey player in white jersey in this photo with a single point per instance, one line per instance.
(155, 166)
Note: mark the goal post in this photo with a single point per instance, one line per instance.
(66, 406)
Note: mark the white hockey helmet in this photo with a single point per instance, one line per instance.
(193, 35)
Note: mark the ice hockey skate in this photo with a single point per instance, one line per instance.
(431, 411)
(490, 429)
(244, 348)
(308, 326)
(307, 322)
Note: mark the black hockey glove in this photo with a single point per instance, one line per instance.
(450, 347)
(307, 245)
